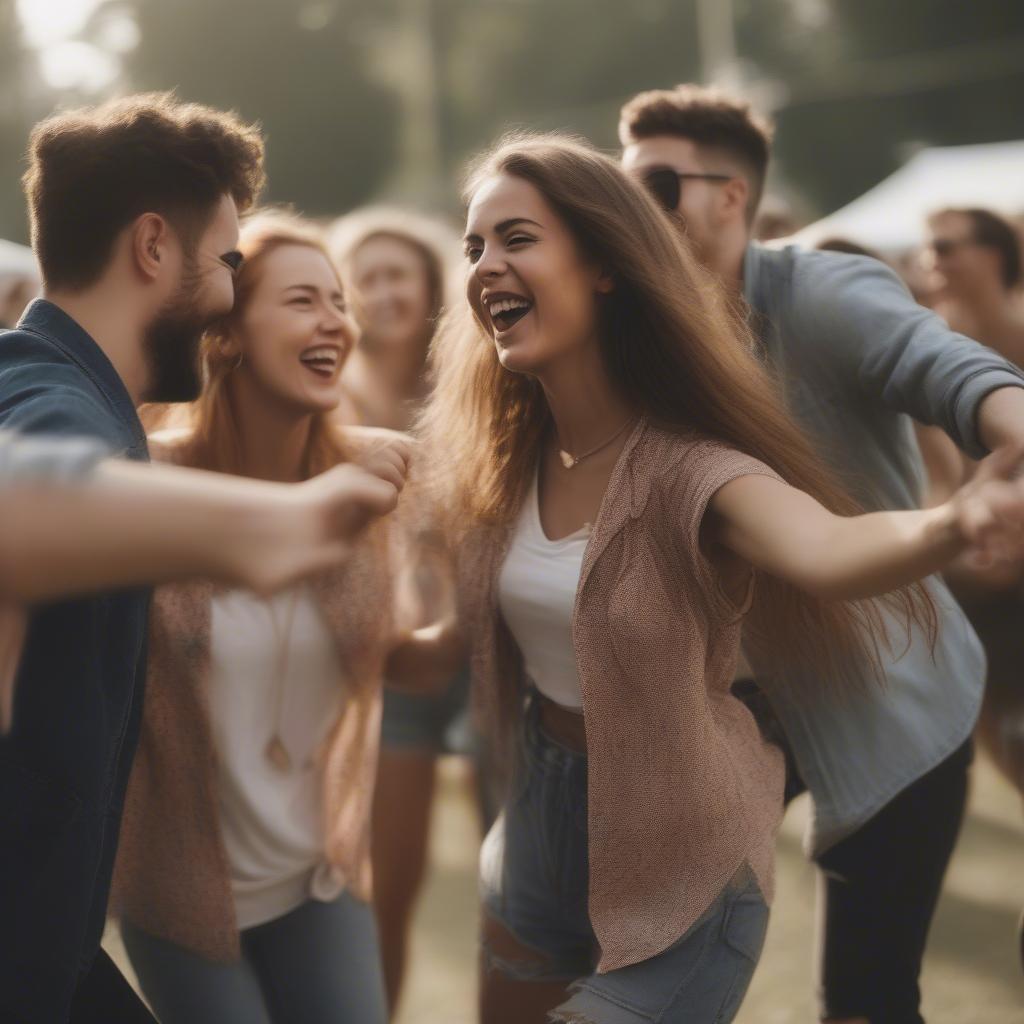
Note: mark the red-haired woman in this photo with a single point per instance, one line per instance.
(243, 872)
(627, 492)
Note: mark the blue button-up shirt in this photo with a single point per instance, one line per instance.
(857, 358)
(64, 765)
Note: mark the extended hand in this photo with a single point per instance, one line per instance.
(989, 508)
(313, 525)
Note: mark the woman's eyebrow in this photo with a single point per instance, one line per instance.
(504, 226)
(335, 295)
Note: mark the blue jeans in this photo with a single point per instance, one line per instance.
(319, 964)
(436, 723)
(534, 877)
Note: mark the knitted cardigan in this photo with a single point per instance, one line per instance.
(172, 877)
(682, 788)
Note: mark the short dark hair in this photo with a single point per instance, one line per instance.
(708, 117)
(993, 232)
(92, 171)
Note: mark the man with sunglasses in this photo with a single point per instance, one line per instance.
(973, 257)
(857, 359)
(134, 211)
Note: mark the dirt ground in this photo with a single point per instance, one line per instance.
(972, 974)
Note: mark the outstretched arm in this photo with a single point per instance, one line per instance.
(865, 323)
(131, 524)
(785, 532)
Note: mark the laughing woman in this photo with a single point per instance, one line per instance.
(243, 871)
(627, 491)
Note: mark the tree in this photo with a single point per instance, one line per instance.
(298, 69)
(14, 123)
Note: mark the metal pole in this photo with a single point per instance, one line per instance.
(716, 37)
(424, 98)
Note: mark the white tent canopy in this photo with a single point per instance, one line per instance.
(17, 261)
(891, 216)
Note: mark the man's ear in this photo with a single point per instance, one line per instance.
(149, 244)
(736, 195)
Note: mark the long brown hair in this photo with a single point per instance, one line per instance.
(675, 347)
(214, 442)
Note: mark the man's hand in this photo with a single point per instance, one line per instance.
(313, 525)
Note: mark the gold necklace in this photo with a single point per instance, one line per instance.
(275, 750)
(571, 461)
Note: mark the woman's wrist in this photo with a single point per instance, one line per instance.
(943, 531)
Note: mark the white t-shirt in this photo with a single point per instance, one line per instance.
(537, 594)
(271, 820)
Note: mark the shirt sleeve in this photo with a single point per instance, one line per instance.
(33, 459)
(706, 469)
(858, 313)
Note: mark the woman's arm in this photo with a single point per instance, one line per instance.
(785, 532)
(427, 658)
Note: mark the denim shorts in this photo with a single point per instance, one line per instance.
(533, 880)
(431, 723)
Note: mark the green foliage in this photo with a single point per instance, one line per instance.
(370, 98)
(897, 75)
(297, 68)
(14, 124)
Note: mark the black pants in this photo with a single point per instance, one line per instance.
(879, 889)
(104, 996)
(879, 886)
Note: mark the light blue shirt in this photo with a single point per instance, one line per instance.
(857, 357)
(31, 459)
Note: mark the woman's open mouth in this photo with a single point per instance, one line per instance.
(322, 360)
(507, 312)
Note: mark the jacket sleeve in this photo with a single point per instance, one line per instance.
(27, 459)
(859, 314)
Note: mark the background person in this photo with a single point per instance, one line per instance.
(396, 267)
(973, 259)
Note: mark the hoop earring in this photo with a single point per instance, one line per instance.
(238, 362)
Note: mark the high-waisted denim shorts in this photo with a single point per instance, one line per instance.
(534, 876)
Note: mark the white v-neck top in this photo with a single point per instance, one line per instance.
(537, 594)
(272, 820)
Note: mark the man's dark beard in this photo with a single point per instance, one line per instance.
(171, 346)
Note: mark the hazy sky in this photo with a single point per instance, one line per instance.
(63, 62)
(50, 21)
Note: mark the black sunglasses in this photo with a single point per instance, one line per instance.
(947, 246)
(232, 260)
(665, 183)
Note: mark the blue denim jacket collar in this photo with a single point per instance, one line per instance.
(50, 322)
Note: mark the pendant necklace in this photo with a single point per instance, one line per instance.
(571, 461)
(275, 750)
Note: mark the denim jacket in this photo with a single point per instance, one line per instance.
(64, 765)
(857, 358)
